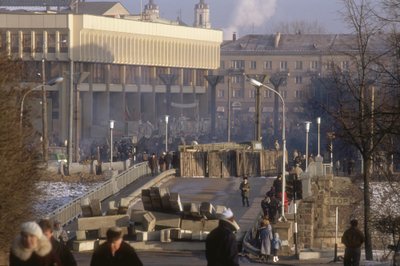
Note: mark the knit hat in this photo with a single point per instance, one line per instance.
(227, 214)
(32, 228)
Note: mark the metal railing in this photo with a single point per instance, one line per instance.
(72, 210)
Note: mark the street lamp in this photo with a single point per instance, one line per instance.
(111, 142)
(259, 84)
(319, 136)
(307, 131)
(49, 83)
(166, 133)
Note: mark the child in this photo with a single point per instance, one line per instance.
(276, 245)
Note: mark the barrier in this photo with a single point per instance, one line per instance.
(72, 210)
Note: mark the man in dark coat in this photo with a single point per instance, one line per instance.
(60, 249)
(115, 251)
(221, 245)
(245, 191)
(352, 238)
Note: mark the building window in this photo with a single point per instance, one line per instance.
(237, 93)
(345, 65)
(237, 64)
(27, 42)
(200, 73)
(222, 64)
(14, 42)
(299, 65)
(298, 79)
(299, 94)
(51, 43)
(98, 73)
(314, 65)
(39, 43)
(330, 65)
(221, 93)
(284, 65)
(252, 93)
(268, 65)
(115, 74)
(187, 76)
(253, 64)
(284, 94)
(160, 71)
(64, 43)
(237, 79)
(267, 94)
(130, 74)
(145, 75)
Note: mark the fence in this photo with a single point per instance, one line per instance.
(72, 210)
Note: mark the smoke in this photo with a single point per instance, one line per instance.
(249, 15)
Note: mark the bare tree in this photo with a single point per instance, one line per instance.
(18, 168)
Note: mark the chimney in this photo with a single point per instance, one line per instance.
(277, 39)
(234, 36)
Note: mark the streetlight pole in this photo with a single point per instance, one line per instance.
(319, 136)
(307, 131)
(111, 142)
(259, 84)
(45, 143)
(166, 133)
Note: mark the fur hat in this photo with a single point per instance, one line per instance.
(227, 216)
(32, 228)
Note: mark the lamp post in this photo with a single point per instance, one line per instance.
(166, 133)
(307, 131)
(49, 83)
(111, 142)
(319, 136)
(259, 84)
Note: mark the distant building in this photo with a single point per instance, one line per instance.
(202, 15)
(124, 58)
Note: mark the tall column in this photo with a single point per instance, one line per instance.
(168, 80)
(213, 80)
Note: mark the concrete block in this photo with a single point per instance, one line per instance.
(219, 210)
(195, 210)
(146, 192)
(166, 220)
(148, 236)
(207, 210)
(155, 198)
(122, 210)
(186, 206)
(88, 245)
(164, 195)
(80, 235)
(137, 215)
(165, 235)
(210, 225)
(94, 223)
(124, 202)
(86, 211)
(111, 212)
(95, 205)
(192, 225)
(147, 205)
(148, 222)
(175, 202)
(199, 235)
(179, 234)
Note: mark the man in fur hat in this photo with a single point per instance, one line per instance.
(221, 245)
(32, 248)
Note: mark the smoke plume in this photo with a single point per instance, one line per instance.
(249, 15)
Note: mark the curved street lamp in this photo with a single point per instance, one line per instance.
(49, 83)
(259, 84)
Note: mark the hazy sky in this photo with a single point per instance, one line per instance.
(251, 16)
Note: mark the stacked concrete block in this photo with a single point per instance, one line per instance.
(148, 222)
(210, 225)
(166, 220)
(175, 202)
(187, 206)
(85, 206)
(192, 225)
(180, 234)
(207, 210)
(195, 210)
(95, 206)
(199, 235)
(165, 235)
(80, 235)
(219, 209)
(155, 198)
(146, 200)
(94, 223)
(137, 215)
(123, 205)
(164, 195)
(148, 236)
(112, 209)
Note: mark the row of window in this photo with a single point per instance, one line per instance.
(284, 65)
(239, 93)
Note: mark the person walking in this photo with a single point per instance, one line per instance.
(245, 191)
(266, 238)
(221, 244)
(265, 206)
(32, 248)
(59, 248)
(353, 239)
(276, 246)
(115, 251)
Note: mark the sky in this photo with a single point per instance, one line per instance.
(251, 16)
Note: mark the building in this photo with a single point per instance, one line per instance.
(133, 69)
(286, 62)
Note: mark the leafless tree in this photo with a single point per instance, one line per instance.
(18, 167)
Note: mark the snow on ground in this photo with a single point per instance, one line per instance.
(57, 194)
(385, 198)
